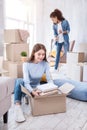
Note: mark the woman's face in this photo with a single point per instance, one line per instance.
(39, 56)
(54, 20)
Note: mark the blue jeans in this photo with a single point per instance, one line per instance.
(58, 50)
(17, 90)
(66, 47)
(79, 92)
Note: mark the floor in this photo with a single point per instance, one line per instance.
(75, 117)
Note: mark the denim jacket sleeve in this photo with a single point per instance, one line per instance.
(66, 26)
(55, 30)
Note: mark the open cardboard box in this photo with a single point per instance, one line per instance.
(49, 104)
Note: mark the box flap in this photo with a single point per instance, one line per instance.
(24, 90)
(66, 88)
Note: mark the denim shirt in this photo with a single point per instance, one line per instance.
(65, 27)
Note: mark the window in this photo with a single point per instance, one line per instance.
(17, 16)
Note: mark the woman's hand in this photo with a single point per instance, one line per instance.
(56, 38)
(60, 31)
(63, 32)
(36, 93)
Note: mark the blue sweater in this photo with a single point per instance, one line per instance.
(32, 73)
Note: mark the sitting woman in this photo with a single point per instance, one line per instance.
(32, 73)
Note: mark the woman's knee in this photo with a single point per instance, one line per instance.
(18, 81)
(60, 82)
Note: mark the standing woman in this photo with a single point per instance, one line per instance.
(61, 29)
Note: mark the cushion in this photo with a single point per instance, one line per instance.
(43, 79)
(80, 90)
(52, 63)
(53, 53)
(79, 93)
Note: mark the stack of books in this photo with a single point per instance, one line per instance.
(48, 89)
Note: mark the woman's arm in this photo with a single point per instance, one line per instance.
(26, 77)
(55, 30)
(27, 80)
(48, 75)
(66, 27)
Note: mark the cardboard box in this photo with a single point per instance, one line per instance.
(4, 72)
(14, 35)
(85, 73)
(82, 47)
(6, 64)
(49, 104)
(13, 51)
(75, 71)
(14, 69)
(75, 57)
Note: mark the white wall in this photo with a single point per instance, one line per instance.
(35, 10)
(39, 24)
(73, 10)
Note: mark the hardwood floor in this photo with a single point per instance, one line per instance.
(75, 118)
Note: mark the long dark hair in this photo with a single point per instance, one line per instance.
(57, 13)
(36, 48)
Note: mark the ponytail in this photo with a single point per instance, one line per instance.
(57, 13)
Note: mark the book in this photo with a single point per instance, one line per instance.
(47, 87)
(52, 92)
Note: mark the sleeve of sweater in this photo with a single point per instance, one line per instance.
(26, 77)
(48, 75)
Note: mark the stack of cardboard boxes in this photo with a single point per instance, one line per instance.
(16, 42)
(83, 48)
(76, 64)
